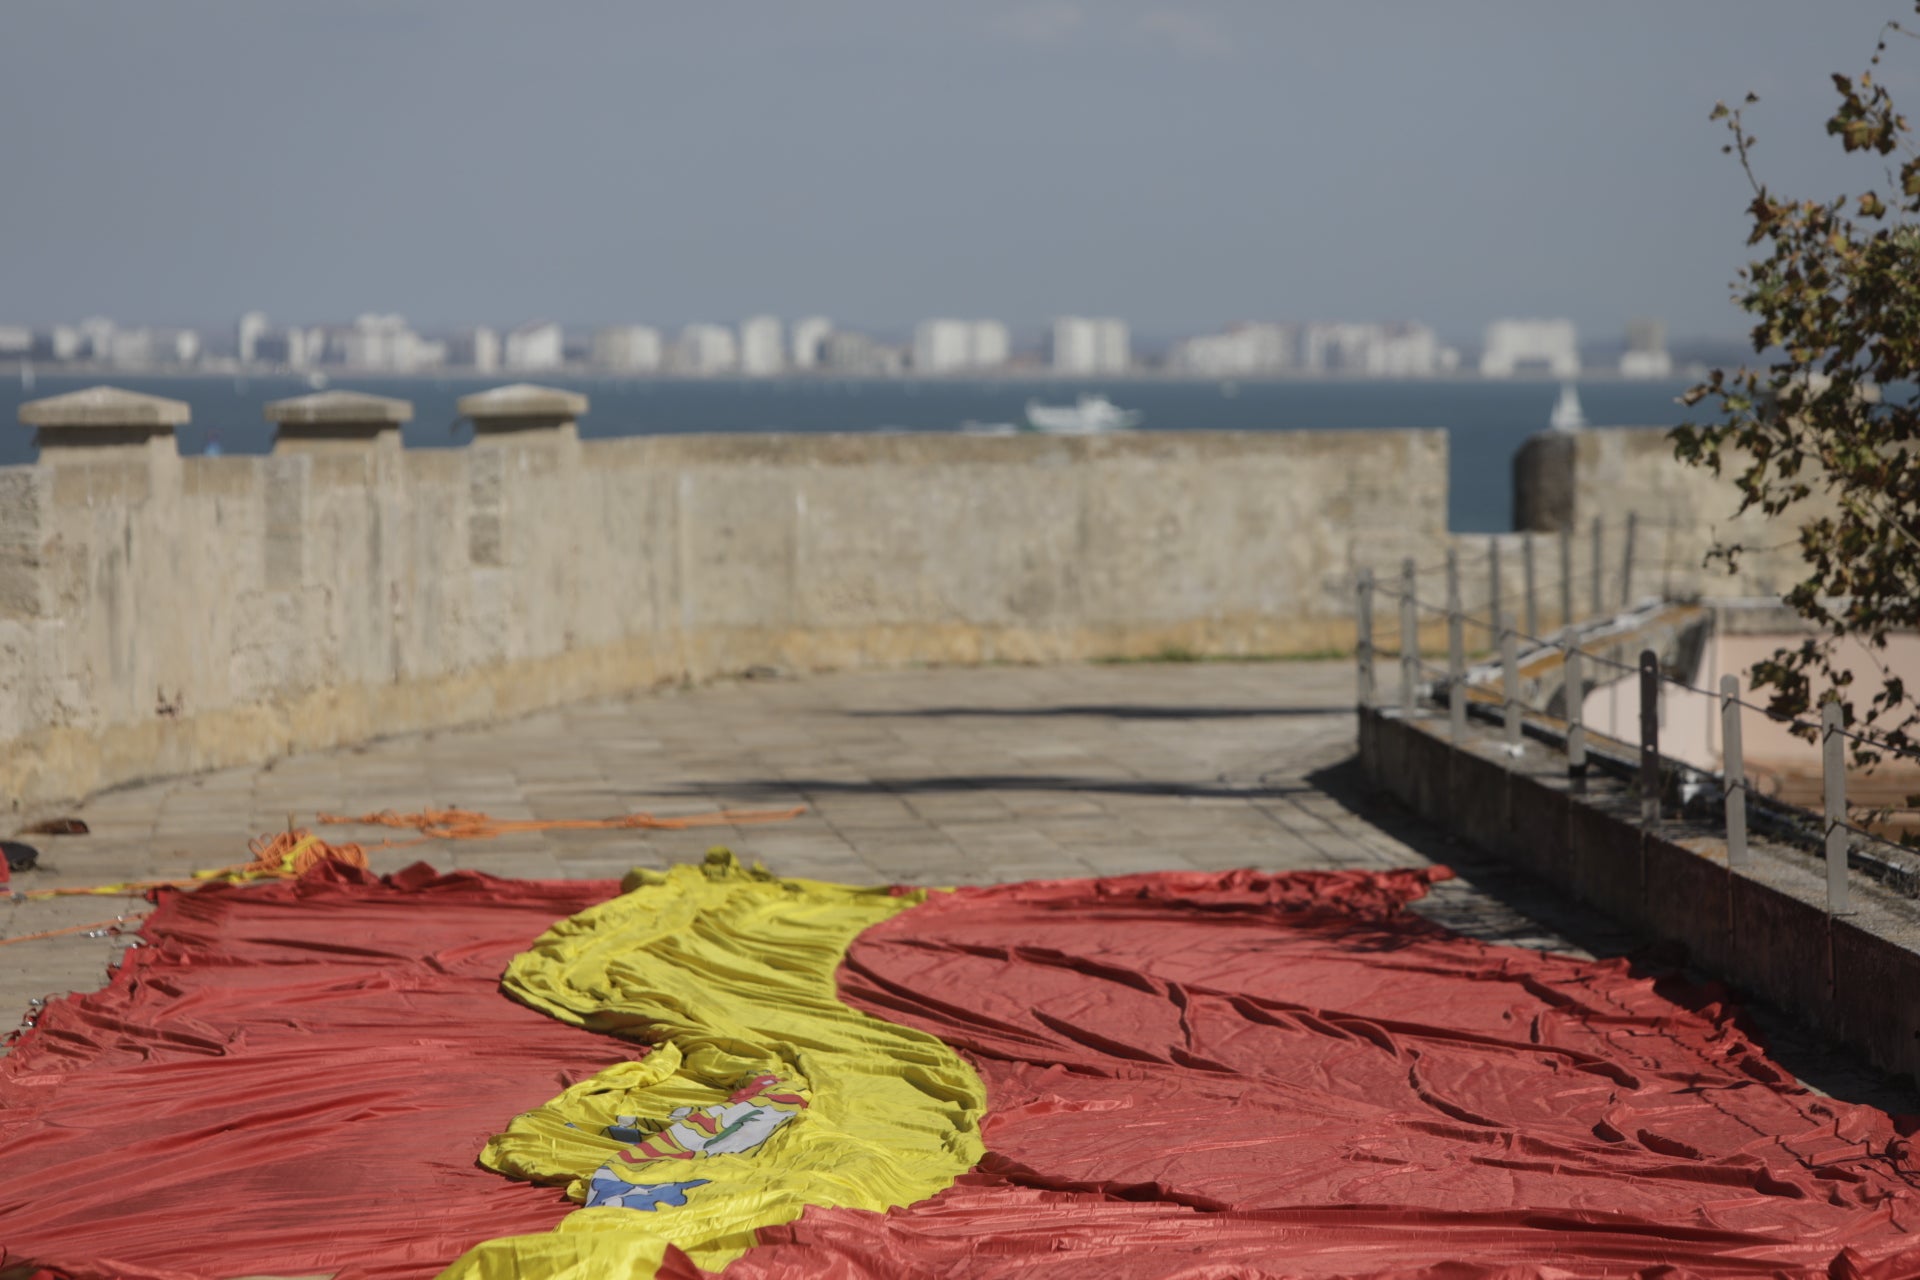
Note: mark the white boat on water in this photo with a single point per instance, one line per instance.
(1090, 415)
(1567, 413)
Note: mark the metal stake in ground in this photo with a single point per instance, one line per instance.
(1456, 654)
(1575, 693)
(1833, 772)
(1526, 565)
(1510, 686)
(1409, 638)
(1363, 644)
(1626, 563)
(1566, 578)
(1599, 564)
(1733, 772)
(1649, 739)
(1494, 621)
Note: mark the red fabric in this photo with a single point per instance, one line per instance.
(293, 1079)
(1204, 1076)
(1195, 1076)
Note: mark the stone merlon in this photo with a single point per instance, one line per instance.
(107, 407)
(339, 408)
(522, 406)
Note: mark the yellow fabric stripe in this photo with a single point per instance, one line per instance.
(730, 973)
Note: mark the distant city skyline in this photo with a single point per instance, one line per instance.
(1185, 166)
(765, 346)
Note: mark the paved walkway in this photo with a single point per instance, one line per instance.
(944, 776)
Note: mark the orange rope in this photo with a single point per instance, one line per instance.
(114, 923)
(467, 824)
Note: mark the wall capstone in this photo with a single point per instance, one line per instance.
(331, 418)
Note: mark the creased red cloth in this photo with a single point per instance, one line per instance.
(293, 1079)
(1205, 1077)
(1190, 1075)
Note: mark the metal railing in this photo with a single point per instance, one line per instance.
(1831, 833)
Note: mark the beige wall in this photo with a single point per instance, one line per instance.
(160, 615)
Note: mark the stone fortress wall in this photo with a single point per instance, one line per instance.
(161, 615)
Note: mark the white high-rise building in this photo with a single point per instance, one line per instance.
(705, 349)
(16, 340)
(1244, 350)
(96, 334)
(1407, 351)
(992, 345)
(942, 346)
(477, 349)
(539, 345)
(1374, 350)
(627, 348)
(1514, 344)
(386, 343)
(1090, 346)
(857, 355)
(306, 347)
(178, 346)
(61, 342)
(130, 348)
(809, 336)
(950, 346)
(762, 347)
(247, 335)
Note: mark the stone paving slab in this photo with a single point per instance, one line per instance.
(933, 776)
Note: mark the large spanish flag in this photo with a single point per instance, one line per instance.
(717, 1070)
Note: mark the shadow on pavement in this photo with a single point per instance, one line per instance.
(1108, 711)
(964, 783)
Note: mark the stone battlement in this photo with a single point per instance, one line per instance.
(162, 615)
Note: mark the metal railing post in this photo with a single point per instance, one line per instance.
(1626, 562)
(1733, 771)
(1576, 696)
(1494, 620)
(1526, 565)
(1599, 568)
(1409, 639)
(1363, 645)
(1510, 686)
(1566, 577)
(1833, 771)
(1456, 654)
(1649, 739)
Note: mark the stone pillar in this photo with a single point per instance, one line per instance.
(104, 443)
(331, 420)
(1543, 482)
(522, 407)
(525, 464)
(108, 495)
(75, 426)
(337, 465)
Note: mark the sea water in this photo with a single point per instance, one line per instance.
(1486, 420)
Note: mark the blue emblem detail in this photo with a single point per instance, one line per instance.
(613, 1193)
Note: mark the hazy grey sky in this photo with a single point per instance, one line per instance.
(1184, 164)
